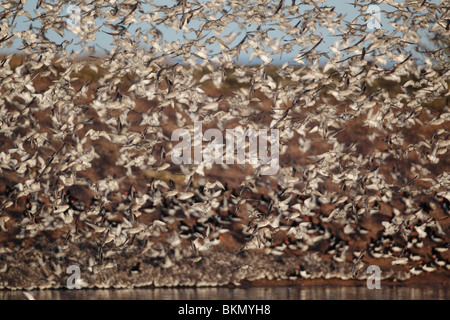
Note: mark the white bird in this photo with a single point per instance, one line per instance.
(28, 295)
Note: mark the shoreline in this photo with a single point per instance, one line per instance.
(307, 283)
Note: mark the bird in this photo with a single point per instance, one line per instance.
(28, 295)
(358, 264)
(357, 116)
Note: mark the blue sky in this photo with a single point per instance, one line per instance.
(104, 40)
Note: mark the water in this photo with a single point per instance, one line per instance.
(252, 293)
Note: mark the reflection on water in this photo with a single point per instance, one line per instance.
(253, 293)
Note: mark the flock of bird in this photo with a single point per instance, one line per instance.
(86, 176)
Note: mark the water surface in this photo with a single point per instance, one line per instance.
(251, 293)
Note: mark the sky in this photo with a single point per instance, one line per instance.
(103, 40)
